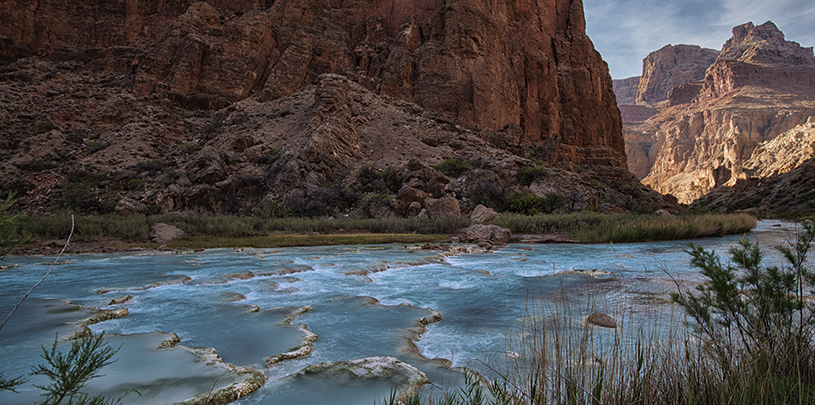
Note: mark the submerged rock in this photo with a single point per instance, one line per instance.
(370, 368)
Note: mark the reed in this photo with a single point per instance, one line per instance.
(136, 228)
(749, 338)
(590, 227)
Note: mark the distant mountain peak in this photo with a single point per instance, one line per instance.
(764, 44)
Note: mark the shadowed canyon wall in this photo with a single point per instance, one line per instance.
(523, 68)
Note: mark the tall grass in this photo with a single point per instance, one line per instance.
(136, 228)
(749, 339)
(591, 227)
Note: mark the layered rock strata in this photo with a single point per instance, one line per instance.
(524, 67)
(760, 87)
(253, 107)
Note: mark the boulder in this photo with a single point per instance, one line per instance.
(483, 215)
(163, 233)
(490, 234)
(207, 167)
(128, 206)
(408, 195)
(445, 207)
(600, 319)
(414, 209)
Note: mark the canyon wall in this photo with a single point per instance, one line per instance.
(759, 87)
(523, 68)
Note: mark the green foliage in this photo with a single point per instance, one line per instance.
(753, 315)
(188, 148)
(529, 174)
(135, 184)
(452, 167)
(169, 176)
(87, 192)
(268, 208)
(9, 236)
(95, 146)
(10, 383)
(591, 227)
(368, 173)
(375, 200)
(70, 372)
(531, 204)
(37, 165)
(152, 166)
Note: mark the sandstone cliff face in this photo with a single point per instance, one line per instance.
(626, 90)
(524, 68)
(671, 67)
(237, 106)
(760, 87)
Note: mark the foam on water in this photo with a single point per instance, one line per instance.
(357, 294)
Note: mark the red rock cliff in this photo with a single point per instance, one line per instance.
(524, 68)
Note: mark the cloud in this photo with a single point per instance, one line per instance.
(626, 31)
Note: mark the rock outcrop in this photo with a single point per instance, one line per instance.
(670, 67)
(302, 99)
(713, 132)
(527, 68)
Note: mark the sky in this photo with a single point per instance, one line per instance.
(626, 31)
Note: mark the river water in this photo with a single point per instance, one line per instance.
(359, 301)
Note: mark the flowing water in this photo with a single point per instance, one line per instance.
(360, 301)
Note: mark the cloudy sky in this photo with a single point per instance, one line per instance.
(626, 31)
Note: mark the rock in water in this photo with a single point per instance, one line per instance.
(163, 233)
(490, 234)
(600, 319)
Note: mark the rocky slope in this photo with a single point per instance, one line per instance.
(155, 106)
(711, 132)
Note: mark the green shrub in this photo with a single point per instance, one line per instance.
(37, 165)
(268, 208)
(188, 148)
(531, 204)
(95, 146)
(87, 192)
(763, 312)
(452, 167)
(70, 372)
(527, 175)
(9, 235)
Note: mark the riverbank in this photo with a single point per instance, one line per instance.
(114, 233)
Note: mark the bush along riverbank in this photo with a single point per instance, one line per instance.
(208, 231)
(748, 340)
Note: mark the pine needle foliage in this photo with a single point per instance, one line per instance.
(69, 372)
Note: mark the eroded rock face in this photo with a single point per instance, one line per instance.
(670, 67)
(509, 64)
(718, 131)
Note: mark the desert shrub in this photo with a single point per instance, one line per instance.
(9, 233)
(151, 166)
(531, 204)
(368, 173)
(86, 192)
(95, 146)
(529, 174)
(188, 148)
(452, 167)
(375, 200)
(268, 208)
(37, 165)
